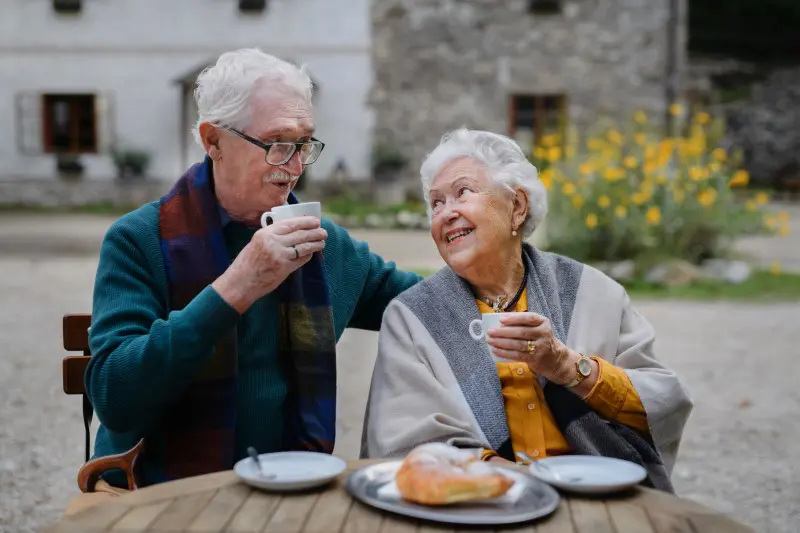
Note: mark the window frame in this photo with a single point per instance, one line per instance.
(48, 100)
(540, 111)
(67, 7)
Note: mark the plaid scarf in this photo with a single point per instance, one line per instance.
(198, 431)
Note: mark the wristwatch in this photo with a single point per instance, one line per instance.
(583, 366)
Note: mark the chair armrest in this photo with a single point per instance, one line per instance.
(90, 473)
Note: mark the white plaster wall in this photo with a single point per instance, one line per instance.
(133, 50)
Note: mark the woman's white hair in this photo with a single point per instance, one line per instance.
(224, 90)
(504, 160)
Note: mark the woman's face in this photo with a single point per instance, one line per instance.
(471, 216)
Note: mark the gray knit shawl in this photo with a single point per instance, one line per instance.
(445, 305)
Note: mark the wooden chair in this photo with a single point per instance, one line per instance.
(73, 369)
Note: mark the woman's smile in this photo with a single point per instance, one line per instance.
(457, 236)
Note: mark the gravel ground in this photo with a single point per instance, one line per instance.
(737, 360)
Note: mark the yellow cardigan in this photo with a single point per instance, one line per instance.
(530, 422)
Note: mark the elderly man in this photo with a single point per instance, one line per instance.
(211, 334)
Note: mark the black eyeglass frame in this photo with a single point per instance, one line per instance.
(267, 146)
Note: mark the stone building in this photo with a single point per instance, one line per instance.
(519, 67)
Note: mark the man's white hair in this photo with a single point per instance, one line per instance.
(224, 90)
(504, 160)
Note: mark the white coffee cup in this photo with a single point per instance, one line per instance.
(479, 327)
(282, 212)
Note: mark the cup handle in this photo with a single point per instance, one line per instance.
(264, 218)
(477, 336)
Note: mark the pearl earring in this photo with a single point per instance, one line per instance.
(513, 233)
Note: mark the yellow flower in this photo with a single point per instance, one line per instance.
(614, 136)
(762, 198)
(640, 138)
(783, 231)
(640, 197)
(640, 117)
(650, 168)
(703, 118)
(586, 169)
(577, 201)
(630, 162)
(595, 145)
(549, 140)
(750, 205)
(568, 188)
(707, 197)
(714, 167)
(546, 177)
(653, 215)
(771, 221)
(554, 153)
(783, 216)
(740, 178)
(591, 221)
(775, 268)
(698, 173)
(613, 174)
(604, 201)
(620, 211)
(720, 154)
(539, 152)
(676, 109)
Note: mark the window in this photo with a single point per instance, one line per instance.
(69, 124)
(67, 6)
(252, 6)
(535, 116)
(544, 7)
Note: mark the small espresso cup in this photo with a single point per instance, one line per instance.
(479, 327)
(282, 212)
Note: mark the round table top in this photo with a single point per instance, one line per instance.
(220, 502)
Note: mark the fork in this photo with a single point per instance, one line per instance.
(543, 468)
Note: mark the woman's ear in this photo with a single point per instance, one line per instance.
(210, 137)
(520, 210)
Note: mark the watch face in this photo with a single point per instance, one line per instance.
(584, 367)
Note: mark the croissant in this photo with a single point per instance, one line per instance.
(440, 474)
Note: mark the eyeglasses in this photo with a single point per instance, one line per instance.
(279, 153)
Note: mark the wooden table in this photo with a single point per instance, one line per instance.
(220, 502)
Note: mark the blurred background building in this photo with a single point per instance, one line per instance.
(101, 89)
(84, 78)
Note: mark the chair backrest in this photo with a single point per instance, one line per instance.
(73, 367)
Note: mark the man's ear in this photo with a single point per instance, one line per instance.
(209, 134)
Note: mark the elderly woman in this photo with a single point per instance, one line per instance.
(570, 369)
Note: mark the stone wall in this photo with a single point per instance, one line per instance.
(441, 64)
(766, 127)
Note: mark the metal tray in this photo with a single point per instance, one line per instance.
(536, 499)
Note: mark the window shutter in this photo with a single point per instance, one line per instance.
(104, 122)
(30, 115)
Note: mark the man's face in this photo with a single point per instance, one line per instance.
(246, 185)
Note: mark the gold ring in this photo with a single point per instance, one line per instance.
(531, 347)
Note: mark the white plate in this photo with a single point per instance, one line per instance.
(293, 470)
(588, 474)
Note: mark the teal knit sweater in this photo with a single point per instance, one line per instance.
(143, 355)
